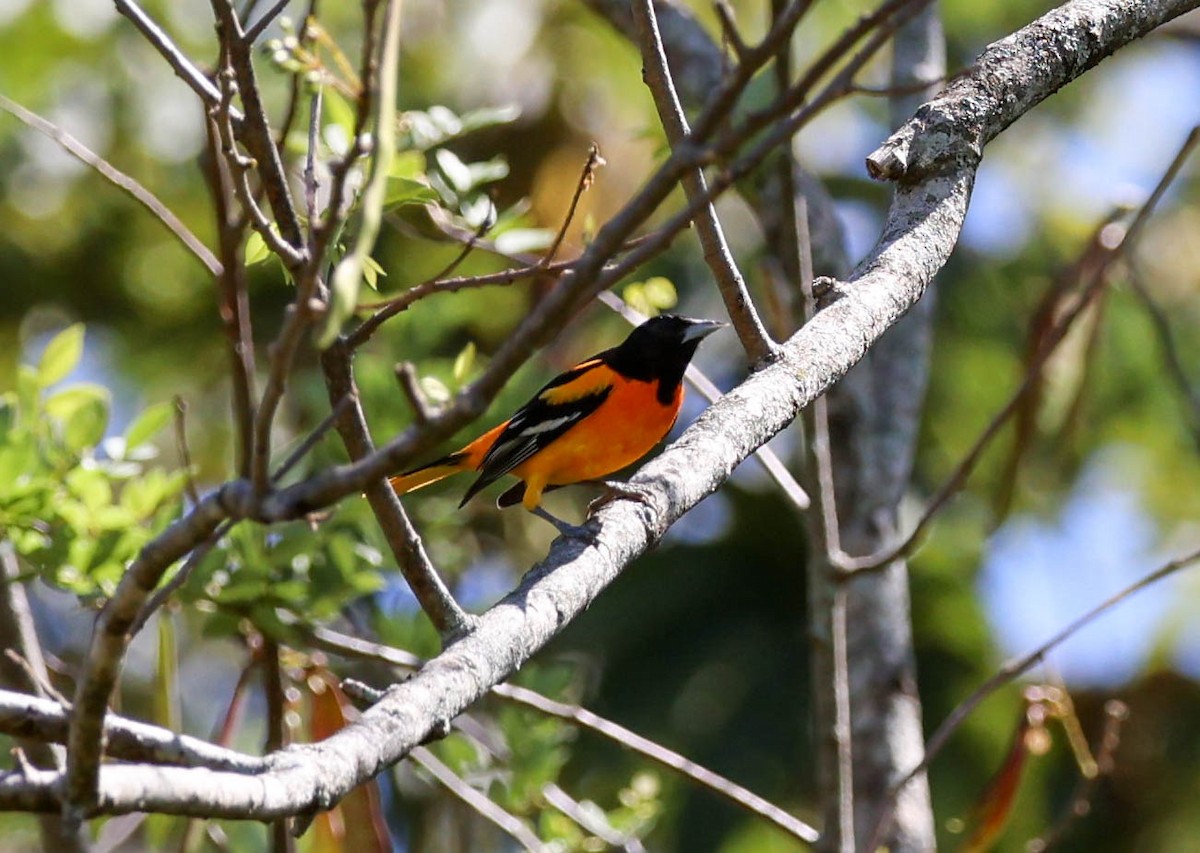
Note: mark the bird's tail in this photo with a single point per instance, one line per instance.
(438, 469)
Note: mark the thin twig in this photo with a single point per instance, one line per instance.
(1170, 350)
(729, 30)
(477, 800)
(1018, 666)
(721, 103)
(406, 375)
(450, 620)
(265, 21)
(732, 285)
(184, 68)
(256, 132)
(1113, 247)
(233, 300)
(591, 822)
(348, 274)
(119, 179)
(162, 594)
(302, 449)
(239, 169)
(185, 454)
(437, 283)
(586, 178)
(329, 225)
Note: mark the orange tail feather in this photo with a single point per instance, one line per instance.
(412, 480)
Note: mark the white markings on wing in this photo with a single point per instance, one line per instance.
(552, 424)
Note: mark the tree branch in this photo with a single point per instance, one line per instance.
(754, 337)
(184, 68)
(450, 620)
(129, 740)
(118, 179)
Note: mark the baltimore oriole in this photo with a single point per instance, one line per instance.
(601, 415)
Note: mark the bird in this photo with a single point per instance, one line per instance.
(590, 421)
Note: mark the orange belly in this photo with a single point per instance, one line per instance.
(623, 430)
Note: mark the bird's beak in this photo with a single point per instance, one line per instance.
(700, 329)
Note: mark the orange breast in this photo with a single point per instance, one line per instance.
(624, 429)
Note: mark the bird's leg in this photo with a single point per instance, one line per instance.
(571, 531)
(614, 490)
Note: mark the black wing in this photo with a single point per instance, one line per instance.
(536, 424)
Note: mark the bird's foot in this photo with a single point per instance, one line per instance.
(571, 531)
(615, 490)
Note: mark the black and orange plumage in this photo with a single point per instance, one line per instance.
(598, 417)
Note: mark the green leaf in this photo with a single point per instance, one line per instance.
(464, 361)
(256, 249)
(147, 425)
(371, 272)
(61, 355)
(91, 487)
(402, 191)
(660, 292)
(338, 110)
(85, 427)
(650, 296)
(407, 164)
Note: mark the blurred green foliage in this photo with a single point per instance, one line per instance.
(702, 645)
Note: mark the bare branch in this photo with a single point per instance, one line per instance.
(184, 68)
(233, 301)
(268, 17)
(477, 800)
(450, 620)
(754, 337)
(1020, 665)
(119, 179)
(256, 132)
(45, 720)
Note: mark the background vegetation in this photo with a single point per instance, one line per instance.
(702, 646)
